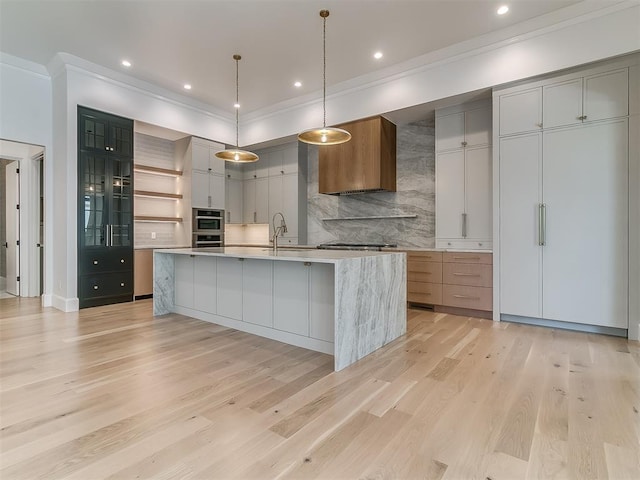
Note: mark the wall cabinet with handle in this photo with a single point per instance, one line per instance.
(463, 177)
(207, 174)
(564, 200)
(105, 208)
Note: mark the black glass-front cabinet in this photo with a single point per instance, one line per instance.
(105, 208)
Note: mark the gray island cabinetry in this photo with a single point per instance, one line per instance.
(343, 303)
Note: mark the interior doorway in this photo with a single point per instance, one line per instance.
(21, 220)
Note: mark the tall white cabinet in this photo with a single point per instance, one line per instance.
(564, 199)
(463, 176)
(207, 174)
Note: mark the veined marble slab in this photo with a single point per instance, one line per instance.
(369, 296)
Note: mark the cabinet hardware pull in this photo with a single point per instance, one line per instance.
(106, 148)
(122, 260)
(209, 201)
(241, 259)
(466, 258)
(542, 220)
(466, 296)
(111, 235)
(95, 262)
(95, 287)
(111, 149)
(539, 125)
(282, 172)
(464, 225)
(122, 284)
(228, 217)
(467, 274)
(255, 217)
(307, 264)
(192, 256)
(464, 144)
(584, 117)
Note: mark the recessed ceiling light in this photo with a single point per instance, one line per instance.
(236, 105)
(503, 9)
(377, 55)
(126, 63)
(297, 84)
(187, 86)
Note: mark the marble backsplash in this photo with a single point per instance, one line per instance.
(415, 195)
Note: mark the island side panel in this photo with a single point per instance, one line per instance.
(163, 283)
(370, 305)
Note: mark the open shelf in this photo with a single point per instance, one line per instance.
(157, 170)
(145, 193)
(144, 218)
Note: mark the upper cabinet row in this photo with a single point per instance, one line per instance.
(571, 100)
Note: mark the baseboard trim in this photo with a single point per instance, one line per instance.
(579, 327)
(47, 300)
(66, 304)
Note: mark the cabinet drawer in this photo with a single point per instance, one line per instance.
(420, 292)
(424, 277)
(477, 298)
(108, 259)
(106, 285)
(431, 268)
(467, 274)
(467, 257)
(424, 256)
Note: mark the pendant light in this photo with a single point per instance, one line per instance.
(235, 154)
(325, 135)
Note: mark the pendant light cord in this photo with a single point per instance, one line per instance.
(238, 108)
(324, 72)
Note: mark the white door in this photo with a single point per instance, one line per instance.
(562, 103)
(205, 284)
(13, 228)
(449, 194)
(291, 297)
(585, 259)
(199, 157)
(262, 200)
(233, 203)
(478, 193)
(477, 127)
(249, 201)
(184, 285)
(606, 95)
(216, 191)
(229, 281)
(521, 112)
(450, 132)
(520, 197)
(257, 292)
(199, 189)
(275, 201)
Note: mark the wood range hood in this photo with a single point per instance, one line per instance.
(365, 164)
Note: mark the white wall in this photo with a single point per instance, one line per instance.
(25, 116)
(584, 39)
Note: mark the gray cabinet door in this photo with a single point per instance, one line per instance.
(257, 289)
(229, 281)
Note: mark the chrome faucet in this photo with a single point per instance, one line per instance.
(277, 231)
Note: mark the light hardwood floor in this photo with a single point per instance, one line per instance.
(112, 392)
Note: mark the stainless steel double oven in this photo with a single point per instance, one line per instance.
(208, 228)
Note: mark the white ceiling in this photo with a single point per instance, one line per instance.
(174, 42)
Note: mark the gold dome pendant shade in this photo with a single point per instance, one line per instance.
(325, 135)
(235, 154)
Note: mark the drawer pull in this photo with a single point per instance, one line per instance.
(307, 264)
(466, 258)
(122, 260)
(422, 293)
(466, 274)
(466, 296)
(95, 262)
(95, 287)
(122, 284)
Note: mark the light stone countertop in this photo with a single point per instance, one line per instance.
(288, 254)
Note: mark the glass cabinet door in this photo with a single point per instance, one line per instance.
(93, 133)
(122, 203)
(121, 137)
(95, 209)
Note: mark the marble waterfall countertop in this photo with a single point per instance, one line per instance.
(286, 253)
(341, 302)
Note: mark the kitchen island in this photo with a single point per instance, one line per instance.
(344, 303)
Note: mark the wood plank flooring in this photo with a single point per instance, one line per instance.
(112, 392)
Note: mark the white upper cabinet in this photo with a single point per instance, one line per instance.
(606, 95)
(562, 103)
(521, 112)
(233, 200)
(450, 133)
(477, 127)
(207, 174)
(449, 194)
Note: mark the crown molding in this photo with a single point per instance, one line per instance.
(62, 62)
(22, 64)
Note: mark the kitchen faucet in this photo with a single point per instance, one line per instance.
(282, 228)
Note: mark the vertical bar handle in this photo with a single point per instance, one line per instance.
(228, 217)
(464, 225)
(209, 201)
(255, 217)
(111, 235)
(542, 220)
